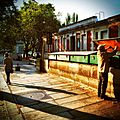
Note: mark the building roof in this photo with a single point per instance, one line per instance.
(79, 24)
(89, 22)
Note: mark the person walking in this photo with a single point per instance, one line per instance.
(103, 68)
(8, 66)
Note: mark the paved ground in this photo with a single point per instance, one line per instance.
(34, 96)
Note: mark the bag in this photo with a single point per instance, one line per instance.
(12, 71)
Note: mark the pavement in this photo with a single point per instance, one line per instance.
(45, 96)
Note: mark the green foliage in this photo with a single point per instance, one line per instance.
(8, 22)
(76, 17)
(30, 24)
(70, 19)
(7, 8)
(73, 17)
(37, 20)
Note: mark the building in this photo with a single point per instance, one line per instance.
(83, 35)
(19, 47)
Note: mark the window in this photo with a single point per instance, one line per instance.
(84, 42)
(64, 39)
(78, 44)
(96, 35)
(113, 31)
(78, 41)
(104, 34)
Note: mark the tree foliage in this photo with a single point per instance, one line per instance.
(37, 21)
(70, 19)
(73, 17)
(8, 14)
(76, 18)
(31, 24)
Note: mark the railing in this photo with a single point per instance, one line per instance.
(85, 57)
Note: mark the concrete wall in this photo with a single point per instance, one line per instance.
(85, 74)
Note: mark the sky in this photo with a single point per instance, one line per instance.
(84, 8)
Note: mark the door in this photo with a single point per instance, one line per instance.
(72, 43)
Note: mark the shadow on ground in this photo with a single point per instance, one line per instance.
(54, 109)
(43, 88)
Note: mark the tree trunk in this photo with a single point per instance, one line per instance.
(42, 61)
(26, 51)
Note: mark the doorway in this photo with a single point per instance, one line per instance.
(72, 43)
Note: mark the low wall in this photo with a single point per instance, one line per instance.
(85, 74)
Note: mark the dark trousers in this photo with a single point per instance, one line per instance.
(8, 75)
(102, 84)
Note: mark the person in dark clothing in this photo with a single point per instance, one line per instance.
(8, 66)
(103, 68)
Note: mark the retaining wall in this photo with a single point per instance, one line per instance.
(86, 74)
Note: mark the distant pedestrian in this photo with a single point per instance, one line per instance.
(8, 66)
(103, 68)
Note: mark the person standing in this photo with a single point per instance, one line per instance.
(8, 66)
(103, 68)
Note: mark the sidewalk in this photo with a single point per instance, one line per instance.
(8, 110)
(34, 96)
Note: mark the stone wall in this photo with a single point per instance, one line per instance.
(83, 73)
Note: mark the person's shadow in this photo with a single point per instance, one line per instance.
(116, 82)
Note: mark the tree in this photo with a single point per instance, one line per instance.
(37, 20)
(73, 17)
(26, 31)
(8, 22)
(76, 18)
(68, 19)
(45, 22)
